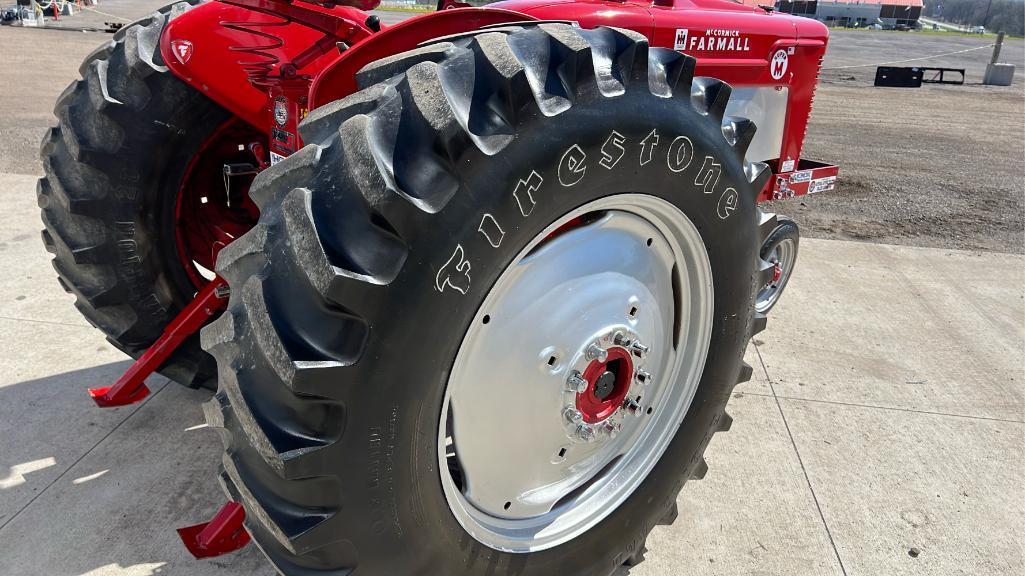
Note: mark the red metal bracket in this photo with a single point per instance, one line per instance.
(809, 177)
(221, 535)
(131, 386)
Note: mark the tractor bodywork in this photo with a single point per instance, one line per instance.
(269, 62)
(273, 60)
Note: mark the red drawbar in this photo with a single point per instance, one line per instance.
(131, 386)
(594, 409)
(221, 535)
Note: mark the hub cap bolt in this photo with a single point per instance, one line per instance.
(639, 349)
(596, 352)
(585, 432)
(643, 377)
(573, 415)
(632, 406)
(576, 383)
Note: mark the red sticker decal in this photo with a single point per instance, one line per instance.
(182, 50)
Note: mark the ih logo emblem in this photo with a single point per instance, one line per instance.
(778, 66)
(681, 39)
(182, 50)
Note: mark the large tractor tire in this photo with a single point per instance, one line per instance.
(492, 313)
(113, 191)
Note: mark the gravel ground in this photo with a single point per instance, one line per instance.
(935, 166)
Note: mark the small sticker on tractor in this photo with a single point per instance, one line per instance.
(778, 65)
(275, 158)
(281, 111)
(788, 166)
(802, 176)
(681, 39)
(822, 185)
(182, 50)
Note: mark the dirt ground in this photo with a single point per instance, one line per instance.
(940, 166)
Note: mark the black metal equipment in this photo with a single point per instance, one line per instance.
(903, 77)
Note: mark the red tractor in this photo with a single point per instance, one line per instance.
(476, 287)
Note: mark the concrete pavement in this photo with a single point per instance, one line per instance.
(885, 417)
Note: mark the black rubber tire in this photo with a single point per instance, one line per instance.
(786, 229)
(333, 354)
(113, 164)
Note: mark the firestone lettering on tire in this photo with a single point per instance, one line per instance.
(572, 166)
(455, 274)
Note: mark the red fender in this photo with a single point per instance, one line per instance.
(202, 48)
(339, 78)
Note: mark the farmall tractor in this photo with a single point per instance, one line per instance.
(473, 290)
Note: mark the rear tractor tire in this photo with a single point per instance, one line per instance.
(492, 313)
(128, 133)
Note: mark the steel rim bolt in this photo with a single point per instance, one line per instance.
(643, 377)
(573, 415)
(596, 352)
(576, 383)
(639, 349)
(585, 432)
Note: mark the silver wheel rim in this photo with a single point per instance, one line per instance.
(520, 471)
(783, 256)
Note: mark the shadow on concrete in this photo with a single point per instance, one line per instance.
(86, 491)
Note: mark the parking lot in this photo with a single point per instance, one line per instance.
(882, 434)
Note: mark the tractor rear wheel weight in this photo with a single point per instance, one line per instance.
(128, 133)
(379, 243)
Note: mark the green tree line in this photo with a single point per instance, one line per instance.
(1006, 15)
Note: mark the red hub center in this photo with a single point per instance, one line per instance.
(608, 383)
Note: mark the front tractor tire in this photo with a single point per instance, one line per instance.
(492, 313)
(112, 203)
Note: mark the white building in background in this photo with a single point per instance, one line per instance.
(861, 13)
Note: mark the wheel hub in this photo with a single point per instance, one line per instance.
(602, 385)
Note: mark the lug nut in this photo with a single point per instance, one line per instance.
(596, 352)
(576, 383)
(573, 415)
(643, 377)
(639, 349)
(585, 432)
(631, 406)
(621, 339)
(612, 429)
